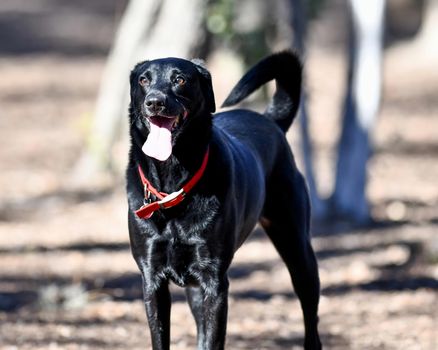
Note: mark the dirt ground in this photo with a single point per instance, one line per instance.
(67, 279)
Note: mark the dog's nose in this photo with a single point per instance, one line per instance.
(155, 102)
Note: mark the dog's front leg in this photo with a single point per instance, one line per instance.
(157, 303)
(209, 307)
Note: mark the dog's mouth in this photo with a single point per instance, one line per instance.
(159, 141)
(168, 122)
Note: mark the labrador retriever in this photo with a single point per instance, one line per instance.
(198, 183)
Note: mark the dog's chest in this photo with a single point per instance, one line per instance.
(184, 261)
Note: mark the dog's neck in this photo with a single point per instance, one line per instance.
(187, 155)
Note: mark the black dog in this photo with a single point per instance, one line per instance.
(224, 174)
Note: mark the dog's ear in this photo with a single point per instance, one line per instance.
(133, 77)
(206, 85)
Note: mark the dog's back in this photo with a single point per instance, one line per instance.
(273, 176)
(264, 135)
(256, 143)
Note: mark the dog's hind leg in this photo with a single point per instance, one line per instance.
(286, 221)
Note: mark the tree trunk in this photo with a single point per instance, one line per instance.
(361, 109)
(298, 19)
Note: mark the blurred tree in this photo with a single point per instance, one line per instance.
(363, 94)
(362, 103)
(360, 111)
(425, 41)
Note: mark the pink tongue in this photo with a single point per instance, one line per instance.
(159, 142)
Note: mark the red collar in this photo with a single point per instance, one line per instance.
(166, 200)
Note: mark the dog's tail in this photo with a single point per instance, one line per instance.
(285, 67)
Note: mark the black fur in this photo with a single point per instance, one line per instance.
(251, 177)
(286, 70)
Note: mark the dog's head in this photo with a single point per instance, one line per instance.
(166, 96)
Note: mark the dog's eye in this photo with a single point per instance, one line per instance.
(180, 81)
(143, 81)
